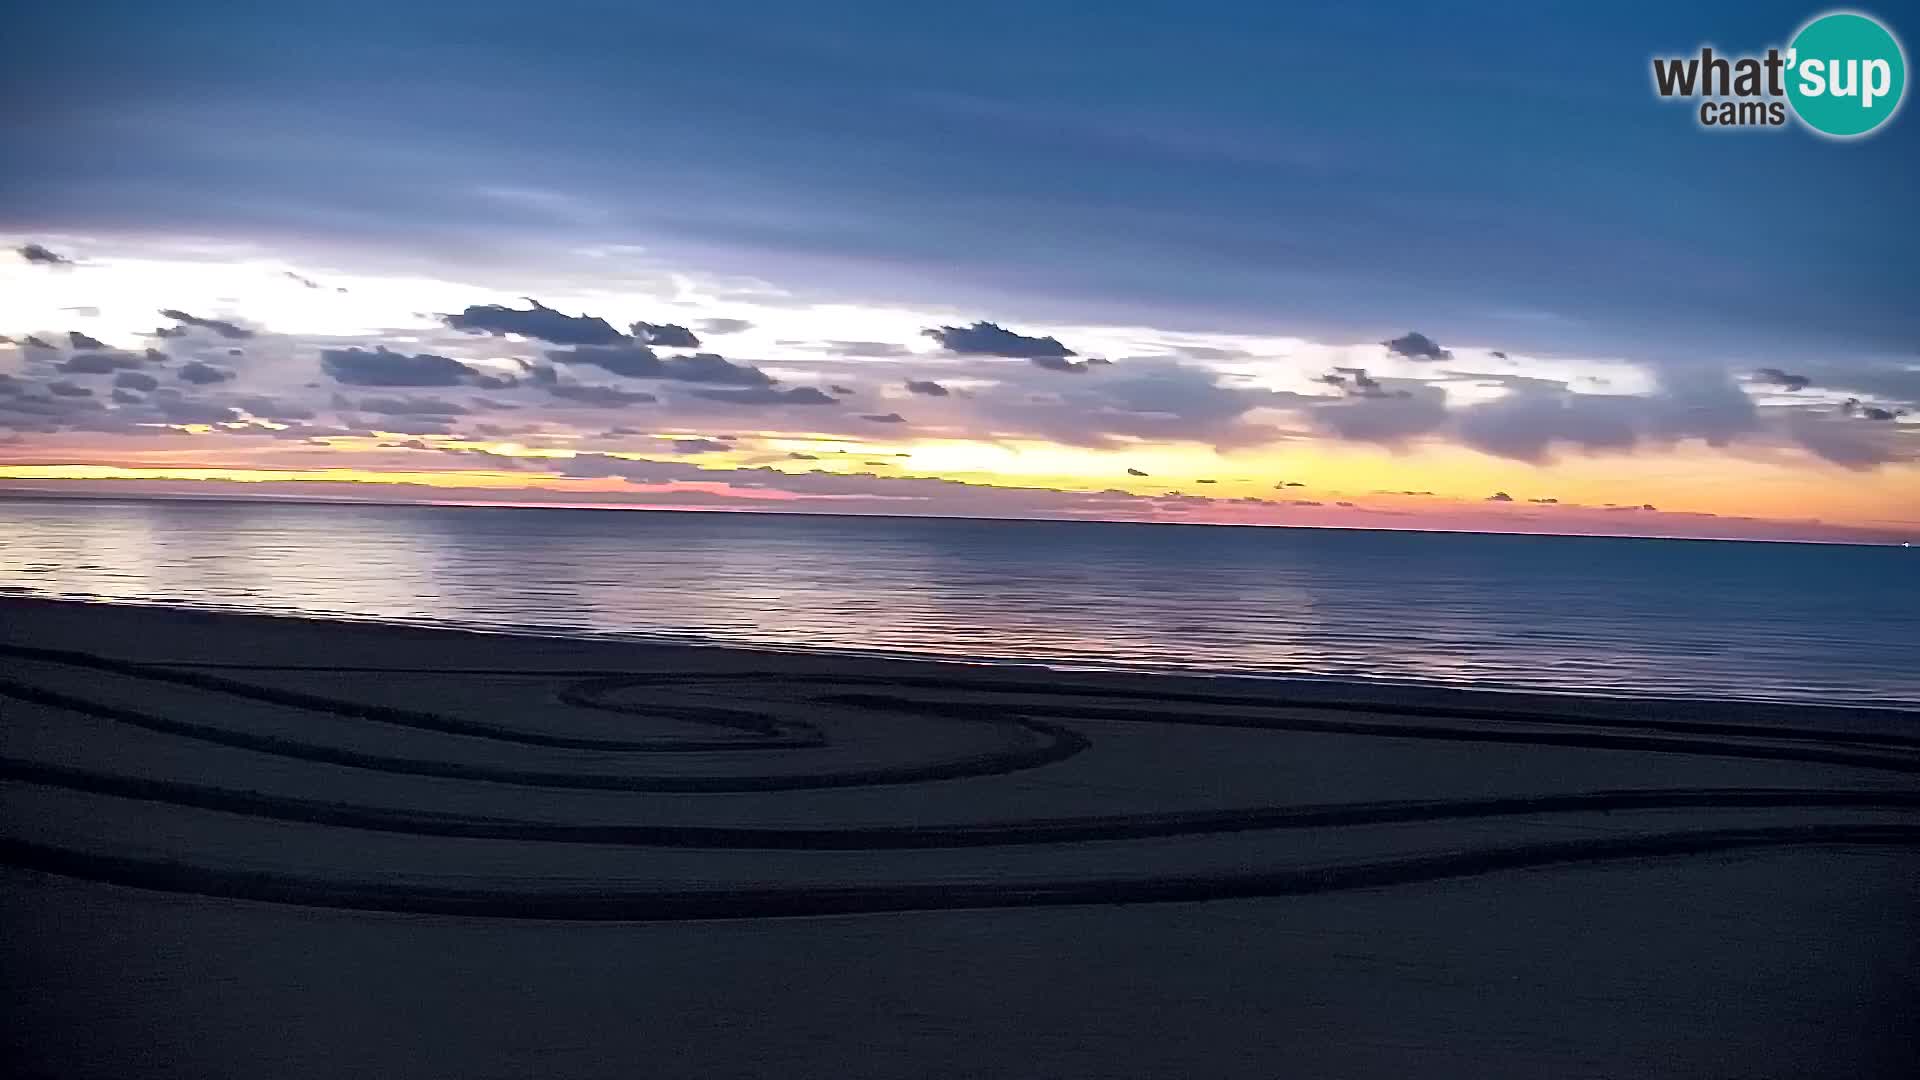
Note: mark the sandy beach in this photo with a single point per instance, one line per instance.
(241, 846)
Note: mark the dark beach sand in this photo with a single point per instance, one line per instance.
(240, 846)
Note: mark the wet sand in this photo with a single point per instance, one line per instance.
(241, 846)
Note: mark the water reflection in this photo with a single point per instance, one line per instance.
(1767, 620)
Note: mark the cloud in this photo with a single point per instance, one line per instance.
(841, 390)
(599, 396)
(410, 406)
(697, 446)
(273, 409)
(1355, 382)
(135, 380)
(100, 363)
(384, 367)
(219, 326)
(725, 326)
(1417, 346)
(1853, 407)
(1499, 496)
(1388, 419)
(767, 395)
(798, 456)
(991, 339)
(539, 322)
(665, 335)
(869, 348)
(636, 361)
(35, 253)
(78, 340)
(1527, 422)
(885, 418)
(927, 387)
(1775, 377)
(201, 374)
(1848, 443)
(122, 396)
(181, 410)
(67, 389)
(1135, 472)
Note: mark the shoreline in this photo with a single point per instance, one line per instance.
(1320, 687)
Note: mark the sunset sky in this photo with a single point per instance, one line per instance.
(1225, 265)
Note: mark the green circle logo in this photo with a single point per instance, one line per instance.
(1846, 74)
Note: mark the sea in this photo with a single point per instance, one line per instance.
(1826, 623)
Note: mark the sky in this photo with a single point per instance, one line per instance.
(1381, 265)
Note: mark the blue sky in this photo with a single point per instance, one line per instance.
(1492, 172)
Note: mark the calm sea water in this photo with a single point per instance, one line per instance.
(1774, 621)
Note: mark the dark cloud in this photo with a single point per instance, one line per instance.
(539, 321)
(306, 281)
(1775, 377)
(927, 387)
(599, 396)
(841, 390)
(697, 446)
(384, 367)
(713, 368)
(767, 395)
(991, 339)
(1417, 346)
(67, 389)
(201, 374)
(410, 406)
(219, 326)
(78, 340)
(1499, 496)
(100, 363)
(135, 380)
(1206, 481)
(636, 361)
(35, 253)
(1544, 502)
(885, 418)
(665, 335)
(798, 456)
(1854, 407)
(35, 342)
(1355, 382)
(123, 396)
(1135, 472)
(725, 326)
